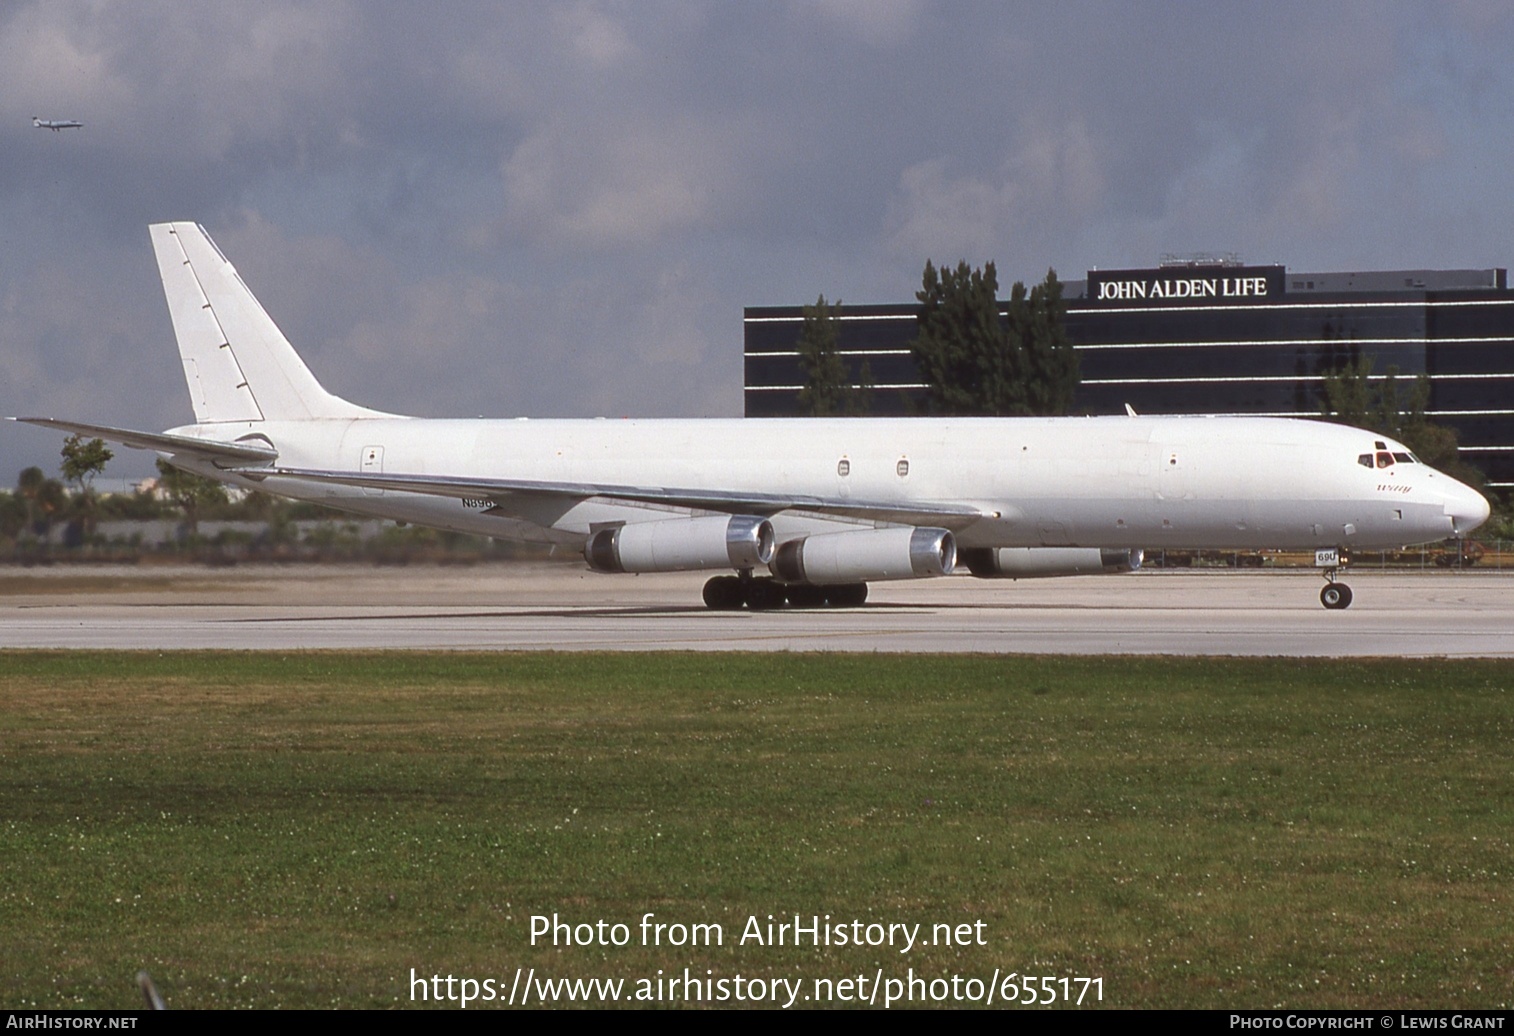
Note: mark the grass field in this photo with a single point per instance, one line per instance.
(303, 830)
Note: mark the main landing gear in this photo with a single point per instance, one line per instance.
(764, 593)
(1334, 596)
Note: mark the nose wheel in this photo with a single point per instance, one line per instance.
(1335, 596)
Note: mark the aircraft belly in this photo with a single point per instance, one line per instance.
(1201, 524)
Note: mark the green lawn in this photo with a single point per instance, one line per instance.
(303, 830)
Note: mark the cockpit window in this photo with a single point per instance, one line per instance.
(1384, 459)
(1365, 460)
(1404, 458)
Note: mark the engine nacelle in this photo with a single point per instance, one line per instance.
(873, 554)
(682, 545)
(1034, 562)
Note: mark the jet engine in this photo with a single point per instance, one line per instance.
(855, 557)
(682, 544)
(1034, 562)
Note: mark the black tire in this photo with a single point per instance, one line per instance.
(846, 595)
(765, 594)
(1335, 596)
(806, 595)
(724, 594)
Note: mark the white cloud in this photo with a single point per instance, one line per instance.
(593, 36)
(1053, 178)
(461, 343)
(880, 23)
(46, 61)
(614, 186)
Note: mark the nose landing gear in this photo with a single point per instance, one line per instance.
(1334, 596)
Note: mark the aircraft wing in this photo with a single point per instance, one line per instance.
(224, 454)
(500, 492)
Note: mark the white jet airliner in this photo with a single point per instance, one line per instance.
(823, 505)
(56, 124)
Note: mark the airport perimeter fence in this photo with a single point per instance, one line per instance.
(382, 543)
(220, 543)
(1471, 555)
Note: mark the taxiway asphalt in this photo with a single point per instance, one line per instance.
(541, 606)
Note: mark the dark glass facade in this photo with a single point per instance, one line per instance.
(1217, 340)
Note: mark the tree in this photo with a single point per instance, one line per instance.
(1347, 395)
(189, 492)
(827, 388)
(961, 348)
(83, 459)
(1050, 365)
(13, 516)
(52, 503)
(977, 362)
(45, 499)
(29, 488)
(825, 385)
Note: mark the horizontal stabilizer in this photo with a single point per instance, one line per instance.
(501, 490)
(223, 453)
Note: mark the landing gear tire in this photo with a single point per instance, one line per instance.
(765, 594)
(732, 593)
(807, 595)
(1335, 596)
(846, 595)
(724, 594)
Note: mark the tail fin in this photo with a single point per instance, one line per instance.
(238, 364)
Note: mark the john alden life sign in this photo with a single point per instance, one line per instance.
(1187, 284)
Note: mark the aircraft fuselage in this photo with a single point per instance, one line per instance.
(1117, 482)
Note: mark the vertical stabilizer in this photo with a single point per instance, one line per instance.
(237, 363)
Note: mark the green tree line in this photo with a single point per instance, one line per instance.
(39, 505)
(976, 357)
(979, 361)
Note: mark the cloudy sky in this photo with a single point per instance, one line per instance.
(560, 209)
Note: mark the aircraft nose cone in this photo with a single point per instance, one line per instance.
(1467, 507)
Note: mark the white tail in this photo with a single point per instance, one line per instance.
(237, 363)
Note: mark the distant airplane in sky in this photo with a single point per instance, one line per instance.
(823, 505)
(56, 124)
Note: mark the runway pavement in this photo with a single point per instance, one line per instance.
(561, 607)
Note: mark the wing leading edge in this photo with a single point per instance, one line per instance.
(222, 454)
(501, 491)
